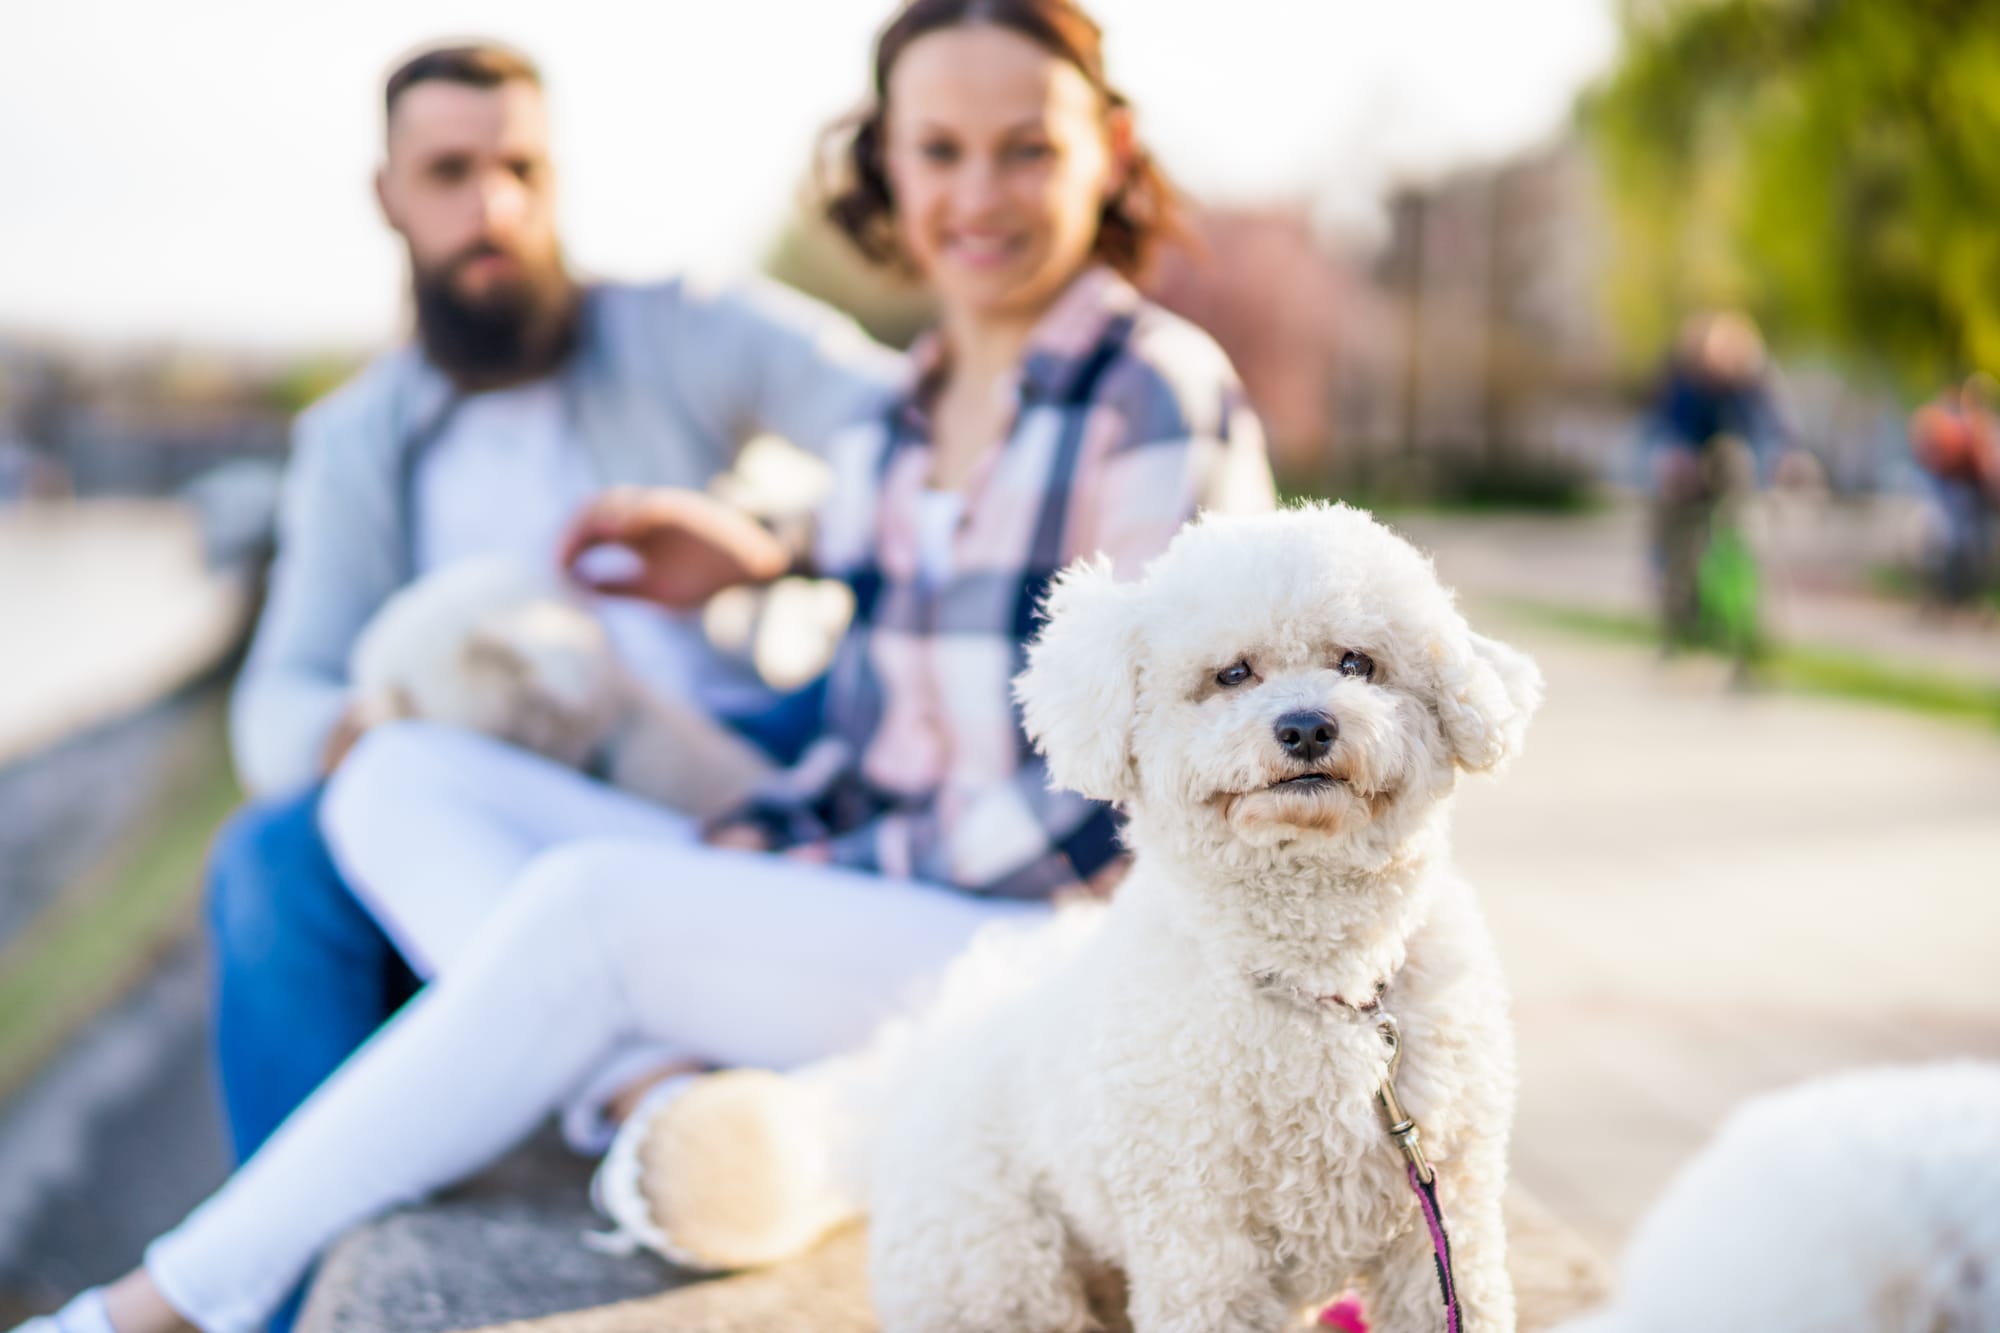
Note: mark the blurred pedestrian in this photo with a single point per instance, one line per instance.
(1714, 429)
(1955, 443)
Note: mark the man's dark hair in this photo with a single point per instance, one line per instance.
(474, 64)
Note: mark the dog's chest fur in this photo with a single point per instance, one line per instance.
(1265, 1106)
(1322, 1184)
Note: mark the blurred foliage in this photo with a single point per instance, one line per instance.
(86, 949)
(1833, 166)
(306, 381)
(1837, 672)
(1393, 482)
(812, 255)
(1907, 583)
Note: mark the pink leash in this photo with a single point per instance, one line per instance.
(1440, 1247)
(1345, 1314)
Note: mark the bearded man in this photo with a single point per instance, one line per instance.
(523, 394)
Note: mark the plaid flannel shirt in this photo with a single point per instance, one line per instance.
(1127, 420)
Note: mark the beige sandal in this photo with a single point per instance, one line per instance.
(721, 1171)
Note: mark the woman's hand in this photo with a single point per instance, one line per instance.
(750, 838)
(689, 546)
(739, 837)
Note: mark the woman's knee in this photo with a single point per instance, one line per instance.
(592, 881)
(623, 902)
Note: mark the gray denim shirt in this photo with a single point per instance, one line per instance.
(667, 381)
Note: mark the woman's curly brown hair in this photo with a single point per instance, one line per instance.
(1141, 214)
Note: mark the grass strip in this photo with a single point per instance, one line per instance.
(1805, 669)
(88, 947)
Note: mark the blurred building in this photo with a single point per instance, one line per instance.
(30, 468)
(139, 422)
(1276, 298)
(1505, 353)
(1471, 339)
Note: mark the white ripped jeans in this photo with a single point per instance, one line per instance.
(575, 937)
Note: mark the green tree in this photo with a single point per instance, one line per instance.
(1831, 165)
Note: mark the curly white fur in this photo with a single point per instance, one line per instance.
(502, 648)
(1175, 1094)
(1869, 1200)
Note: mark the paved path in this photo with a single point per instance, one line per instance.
(116, 607)
(1701, 894)
(1819, 562)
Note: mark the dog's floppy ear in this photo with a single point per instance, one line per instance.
(1486, 694)
(1081, 686)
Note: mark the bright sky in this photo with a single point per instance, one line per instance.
(199, 170)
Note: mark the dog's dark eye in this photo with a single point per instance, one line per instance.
(1357, 664)
(1235, 675)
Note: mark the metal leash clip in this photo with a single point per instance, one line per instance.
(1401, 1127)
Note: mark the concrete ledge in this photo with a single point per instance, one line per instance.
(506, 1249)
(505, 1246)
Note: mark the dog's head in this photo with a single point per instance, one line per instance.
(1291, 679)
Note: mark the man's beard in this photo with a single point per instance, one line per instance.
(517, 332)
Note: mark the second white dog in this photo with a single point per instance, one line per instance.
(501, 648)
(1868, 1200)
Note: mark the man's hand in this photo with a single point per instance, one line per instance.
(689, 546)
(347, 729)
(361, 713)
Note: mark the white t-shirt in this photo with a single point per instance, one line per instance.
(504, 478)
(938, 516)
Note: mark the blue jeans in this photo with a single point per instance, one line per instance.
(303, 974)
(788, 725)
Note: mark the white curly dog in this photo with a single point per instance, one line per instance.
(1181, 1088)
(500, 647)
(1865, 1201)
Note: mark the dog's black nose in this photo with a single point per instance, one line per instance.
(1306, 736)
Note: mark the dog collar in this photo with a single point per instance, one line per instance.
(1367, 1008)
